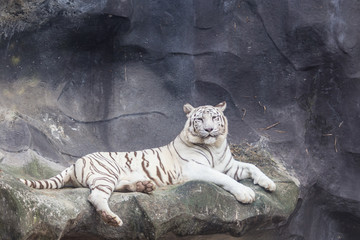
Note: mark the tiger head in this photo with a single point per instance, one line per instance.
(205, 124)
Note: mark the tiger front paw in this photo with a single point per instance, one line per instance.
(267, 183)
(244, 194)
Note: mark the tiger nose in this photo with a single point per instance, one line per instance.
(209, 129)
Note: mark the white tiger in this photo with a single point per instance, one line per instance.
(199, 152)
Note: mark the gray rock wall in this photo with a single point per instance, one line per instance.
(84, 76)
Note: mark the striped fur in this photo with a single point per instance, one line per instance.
(199, 152)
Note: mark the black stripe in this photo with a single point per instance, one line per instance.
(242, 169)
(161, 165)
(83, 170)
(178, 153)
(121, 169)
(204, 155)
(235, 175)
(146, 171)
(111, 172)
(159, 174)
(98, 188)
(60, 183)
(169, 177)
(193, 160)
(207, 149)
(74, 172)
(145, 160)
(128, 161)
(185, 143)
(114, 163)
(88, 176)
(231, 157)
(223, 120)
(169, 150)
(95, 169)
(113, 160)
(57, 186)
(223, 155)
(106, 179)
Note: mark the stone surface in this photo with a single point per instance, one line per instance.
(190, 209)
(84, 76)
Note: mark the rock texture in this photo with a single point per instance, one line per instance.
(84, 76)
(190, 209)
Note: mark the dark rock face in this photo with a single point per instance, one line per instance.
(84, 76)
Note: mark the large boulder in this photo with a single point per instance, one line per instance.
(190, 209)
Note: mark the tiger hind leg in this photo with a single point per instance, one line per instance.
(99, 198)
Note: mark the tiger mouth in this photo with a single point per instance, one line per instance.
(205, 136)
(210, 136)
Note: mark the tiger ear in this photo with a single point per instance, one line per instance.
(221, 106)
(188, 108)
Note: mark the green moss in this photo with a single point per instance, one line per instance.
(38, 170)
(32, 170)
(15, 60)
(13, 209)
(24, 212)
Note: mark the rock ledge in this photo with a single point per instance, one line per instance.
(190, 209)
